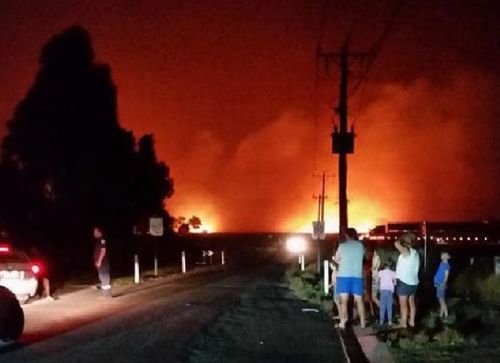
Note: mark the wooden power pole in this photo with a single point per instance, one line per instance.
(342, 138)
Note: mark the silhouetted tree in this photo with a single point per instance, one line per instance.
(195, 222)
(66, 163)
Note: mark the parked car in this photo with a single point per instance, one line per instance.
(18, 273)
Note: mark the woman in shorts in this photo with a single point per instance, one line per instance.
(407, 279)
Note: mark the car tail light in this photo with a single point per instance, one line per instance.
(36, 268)
(4, 249)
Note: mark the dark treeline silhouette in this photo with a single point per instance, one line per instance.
(66, 163)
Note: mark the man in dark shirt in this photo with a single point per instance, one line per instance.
(101, 261)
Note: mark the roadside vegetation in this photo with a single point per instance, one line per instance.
(307, 286)
(470, 333)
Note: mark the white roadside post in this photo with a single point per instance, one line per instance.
(222, 258)
(302, 263)
(183, 262)
(326, 275)
(136, 269)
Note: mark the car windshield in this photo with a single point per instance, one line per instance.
(14, 257)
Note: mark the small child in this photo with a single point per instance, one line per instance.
(440, 282)
(387, 281)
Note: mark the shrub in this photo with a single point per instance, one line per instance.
(449, 336)
(489, 291)
(468, 281)
(307, 286)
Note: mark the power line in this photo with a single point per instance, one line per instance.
(377, 46)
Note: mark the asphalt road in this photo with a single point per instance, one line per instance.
(222, 316)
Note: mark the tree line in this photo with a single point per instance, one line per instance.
(66, 164)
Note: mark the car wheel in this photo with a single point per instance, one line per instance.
(11, 316)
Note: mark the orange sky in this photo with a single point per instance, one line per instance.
(228, 89)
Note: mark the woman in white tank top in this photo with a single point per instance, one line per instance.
(407, 279)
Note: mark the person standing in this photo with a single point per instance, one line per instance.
(350, 256)
(43, 274)
(407, 279)
(101, 261)
(387, 280)
(440, 282)
(375, 290)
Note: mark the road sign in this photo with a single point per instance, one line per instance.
(156, 226)
(497, 265)
(318, 230)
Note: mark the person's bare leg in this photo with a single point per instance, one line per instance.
(46, 287)
(337, 303)
(361, 309)
(413, 310)
(376, 300)
(343, 310)
(443, 311)
(403, 306)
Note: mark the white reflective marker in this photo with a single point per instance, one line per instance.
(136, 269)
(326, 275)
(183, 261)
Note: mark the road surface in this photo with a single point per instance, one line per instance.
(223, 316)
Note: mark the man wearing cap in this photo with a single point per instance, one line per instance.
(407, 279)
(349, 256)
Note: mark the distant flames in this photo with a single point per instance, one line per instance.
(417, 157)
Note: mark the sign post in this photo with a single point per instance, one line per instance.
(497, 265)
(156, 230)
(318, 236)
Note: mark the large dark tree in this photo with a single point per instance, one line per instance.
(66, 163)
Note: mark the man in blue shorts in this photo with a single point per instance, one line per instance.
(349, 256)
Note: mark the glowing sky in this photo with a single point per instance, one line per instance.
(229, 90)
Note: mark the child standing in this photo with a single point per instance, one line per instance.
(440, 282)
(387, 281)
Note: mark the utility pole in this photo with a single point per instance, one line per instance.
(342, 139)
(319, 226)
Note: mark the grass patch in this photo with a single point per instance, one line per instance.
(306, 285)
(471, 332)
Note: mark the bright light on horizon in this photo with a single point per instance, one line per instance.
(296, 244)
(363, 216)
(204, 228)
